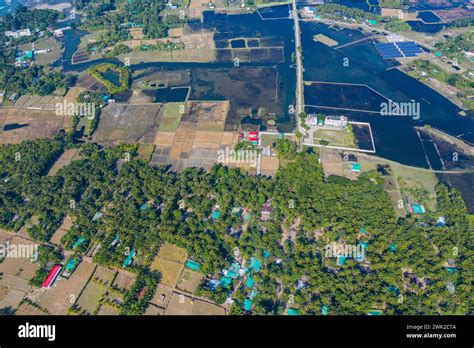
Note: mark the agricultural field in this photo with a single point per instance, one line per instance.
(417, 185)
(171, 116)
(15, 272)
(342, 138)
(195, 138)
(49, 44)
(124, 280)
(170, 263)
(189, 281)
(122, 123)
(58, 299)
(162, 296)
(184, 305)
(67, 223)
(17, 125)
(96, 288)
(269, 165)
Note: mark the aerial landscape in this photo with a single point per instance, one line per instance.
(251, 157)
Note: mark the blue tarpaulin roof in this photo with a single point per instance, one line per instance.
(324, 310)
(128, 259)
(249, 283)
(192, 264)
(225, 281)
(247, 305)
(255, 264)
(418, 208)
(78, 242)
(292, 311)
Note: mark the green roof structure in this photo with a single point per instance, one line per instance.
(418, 208)
(71, 265)
(392, 247)
(225, 281)
(247, 305)
(355, 167)
(253, 294)
(249, 283)
(97, 216)
(233, 271)
(255, 264)
(216, 214)
(247, 217)
(192, 265)
(128, 259)
(292, 311)
(374, 312)
(363, 230)
(265, 254)
(78, 242)
(324, 310)
(145, 207)
(341, 260)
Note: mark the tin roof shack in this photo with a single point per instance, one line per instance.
(267, 210)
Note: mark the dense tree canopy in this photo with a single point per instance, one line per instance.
(404, 269)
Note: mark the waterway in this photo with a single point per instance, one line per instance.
(368, 81)
(260, 85)
(268, 86)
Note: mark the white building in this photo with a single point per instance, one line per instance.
(394, 37)
(336, 121)
(18, 33)
(309, 10)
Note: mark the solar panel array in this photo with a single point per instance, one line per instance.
(402, 49)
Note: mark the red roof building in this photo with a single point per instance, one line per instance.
(51, 277)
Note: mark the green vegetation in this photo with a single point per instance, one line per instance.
(136, 300)
(99, 71)
(341, 12)
(29, 19)
(36, 80)
(424, 70)
(146, 14)
(110, 38)
(390, 3)
(455, 47)
(162, 46)
(46, 255)
(396, 26)
(298, 192)
(286, 149)
(90, 122)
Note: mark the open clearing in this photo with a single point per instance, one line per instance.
(189, 281)
(169, 262)
(58, 299)
(198, 136)
(30, 125)
(67, 223)
(95, 289)
(184, 305)
(15, 273)
(67, 157)
(128, 124)
(343, 138)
